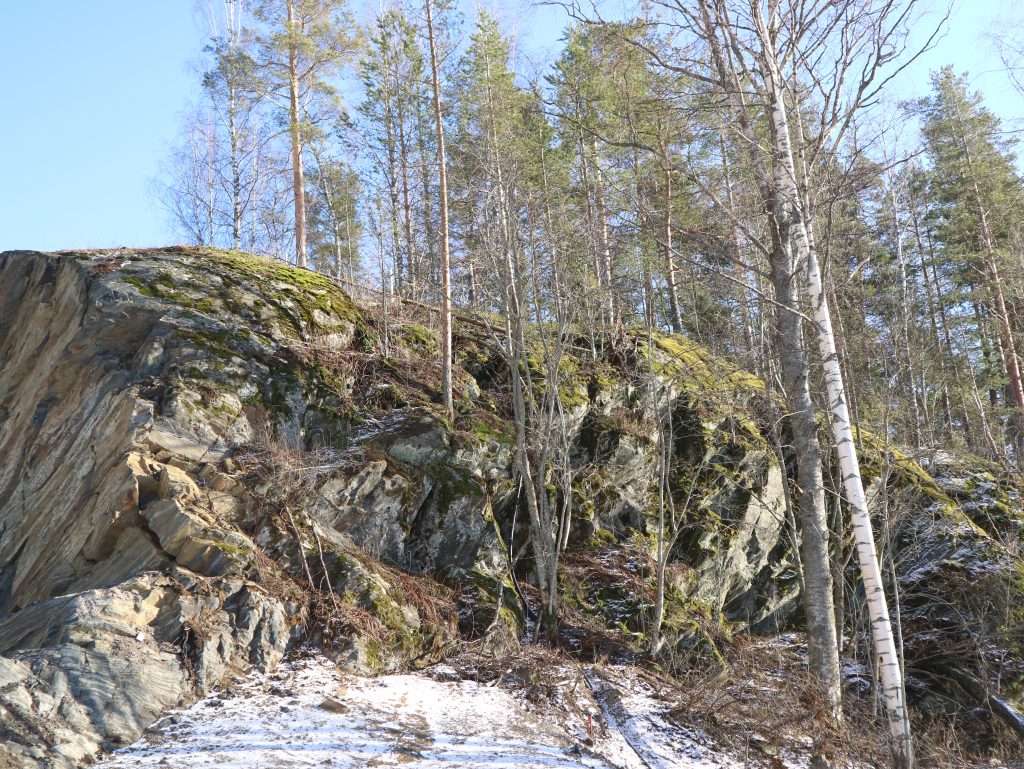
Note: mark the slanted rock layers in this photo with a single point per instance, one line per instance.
(207, 457)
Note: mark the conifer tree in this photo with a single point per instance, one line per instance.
(977, 193)
(300, 44)
(396, 94)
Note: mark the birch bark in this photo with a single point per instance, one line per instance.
(890, 671)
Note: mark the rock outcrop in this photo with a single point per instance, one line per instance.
(207, 456)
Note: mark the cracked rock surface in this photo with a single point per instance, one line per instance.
(141, 566)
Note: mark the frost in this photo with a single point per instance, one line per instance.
(309, 714)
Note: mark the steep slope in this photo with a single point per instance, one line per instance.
(206, 456)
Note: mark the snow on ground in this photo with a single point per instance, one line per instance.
(309, 714)
(638, 736)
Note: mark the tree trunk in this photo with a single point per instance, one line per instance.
(403, 157)
(1013, 368)
(236, 172)
(676, 317)
(442, 180)
(822, 637)
(738, 268)
(947, 405)
(591, 213)
(603, 239)
(905, 312)
(298, 180)
(885, 647)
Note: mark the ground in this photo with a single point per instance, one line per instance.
(310, 714)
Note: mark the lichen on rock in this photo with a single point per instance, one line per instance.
(208, 456)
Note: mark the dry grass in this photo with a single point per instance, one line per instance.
(965, 738)
(588, 576)
(765, 700)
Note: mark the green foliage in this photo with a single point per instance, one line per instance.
(971, 164)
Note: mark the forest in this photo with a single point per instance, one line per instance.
(639, 181)
(740, 175)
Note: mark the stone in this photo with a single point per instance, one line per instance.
(175, 483)
(333, 706)
(141, 562)
(94, 669)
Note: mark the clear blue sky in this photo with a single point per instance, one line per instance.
(94, 91)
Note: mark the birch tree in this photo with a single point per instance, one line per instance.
(776, 65)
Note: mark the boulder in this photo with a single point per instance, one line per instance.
(90, 671)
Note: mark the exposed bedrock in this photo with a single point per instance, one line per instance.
(188, 437)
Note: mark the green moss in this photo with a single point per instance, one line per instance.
(215, 341)
(418, 339)
(302, 302)
(235, 552)
(603, 379)
(451, 485)
(906, 476)
(486, 429)
(143, 287)
(705, 370)
(600, 538)
(695, 632)
(162, 286)
(491, 599)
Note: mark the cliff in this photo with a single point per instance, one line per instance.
(207, 457)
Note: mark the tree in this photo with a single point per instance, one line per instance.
(581, 95)
(334, 227)
(223, 182)
(508, 178)
(442, 183)
(228, 84)
(976, 190)
(299, 47)
(761, 55)
(189, 190)
(393, 74)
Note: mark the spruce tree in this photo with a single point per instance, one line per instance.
(977, 194)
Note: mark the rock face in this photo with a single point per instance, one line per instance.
(91, 670)
(122, 567)
(206, 457)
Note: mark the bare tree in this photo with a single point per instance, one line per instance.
(777, 64)
(188, 188)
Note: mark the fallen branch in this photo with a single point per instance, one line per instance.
(1012, 717)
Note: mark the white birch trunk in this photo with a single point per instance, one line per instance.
(890, 672)
(888, 663)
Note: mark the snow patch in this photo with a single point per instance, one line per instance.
(310, 714)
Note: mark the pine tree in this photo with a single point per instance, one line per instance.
(442, 193)
(300, 46)
(394, 80)
(582, 94)
(977, 195)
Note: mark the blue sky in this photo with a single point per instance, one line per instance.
(94, 91)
